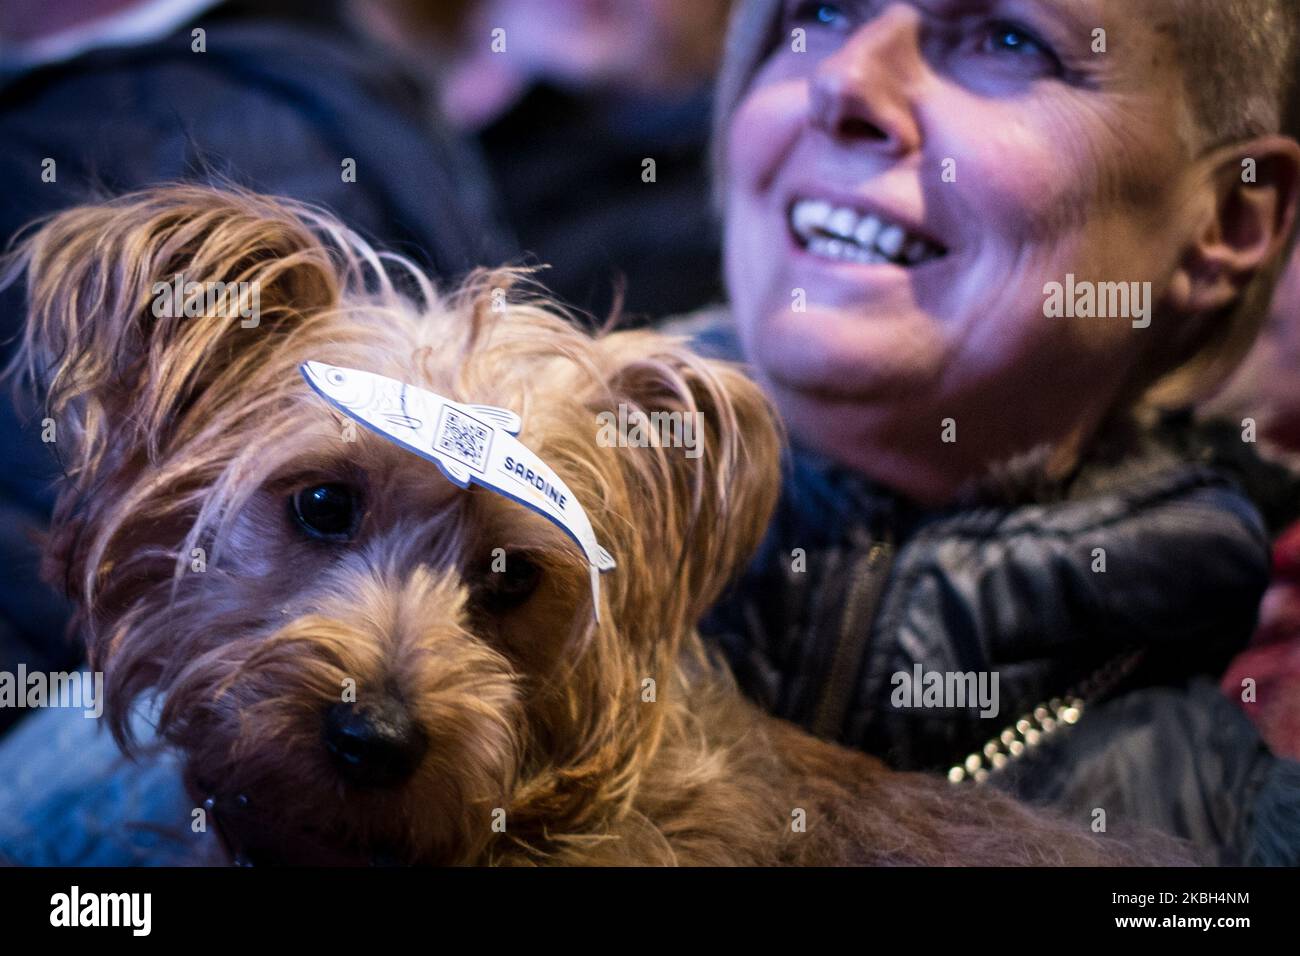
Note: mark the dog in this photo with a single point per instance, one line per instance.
(363, 662)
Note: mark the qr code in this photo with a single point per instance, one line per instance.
(463, 438)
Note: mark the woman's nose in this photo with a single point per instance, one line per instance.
(860, 93)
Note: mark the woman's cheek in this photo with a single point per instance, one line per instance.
(764, 128)
(1025, 176)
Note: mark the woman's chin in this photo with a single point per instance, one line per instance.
(828, 377)
(848, 355)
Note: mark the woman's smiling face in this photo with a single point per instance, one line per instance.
(913, 180)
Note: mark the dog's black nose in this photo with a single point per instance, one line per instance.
(374, 744)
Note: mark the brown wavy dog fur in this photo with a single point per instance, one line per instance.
(180, 434)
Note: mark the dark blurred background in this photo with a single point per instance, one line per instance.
(566, 109)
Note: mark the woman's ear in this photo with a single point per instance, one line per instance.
(705, 479)
(135, 306)
(1254, 194)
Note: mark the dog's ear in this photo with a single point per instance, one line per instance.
(699, 505)
(119, 356)
(148, 391)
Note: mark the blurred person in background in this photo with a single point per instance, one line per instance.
(1266, 389)
(100, 97)
(568, 99)
(1265, 395)
(1259, 408)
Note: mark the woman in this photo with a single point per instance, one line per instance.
(975, 251)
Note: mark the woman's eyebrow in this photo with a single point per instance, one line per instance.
(1081, 16)
(1069, 17)
(863, 9)
(1072, 15)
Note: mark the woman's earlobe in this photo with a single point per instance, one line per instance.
(1203, 283)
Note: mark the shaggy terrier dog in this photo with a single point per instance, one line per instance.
(361, 661)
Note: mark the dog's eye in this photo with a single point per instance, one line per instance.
(507, 589)
(328, 511)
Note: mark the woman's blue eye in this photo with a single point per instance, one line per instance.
(1013, 40)
(825, 14)
(829, 14)
(1005, 38)
(1014, 44)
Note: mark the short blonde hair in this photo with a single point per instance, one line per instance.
(1239, 61)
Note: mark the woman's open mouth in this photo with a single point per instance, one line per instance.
(844, 234)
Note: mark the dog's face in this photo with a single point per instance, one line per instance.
(360, 660)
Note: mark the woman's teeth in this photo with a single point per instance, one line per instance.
(846, 235)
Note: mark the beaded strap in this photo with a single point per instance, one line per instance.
(1043, 721)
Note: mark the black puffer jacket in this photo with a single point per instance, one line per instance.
(1184, 760)
(1011, 584)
